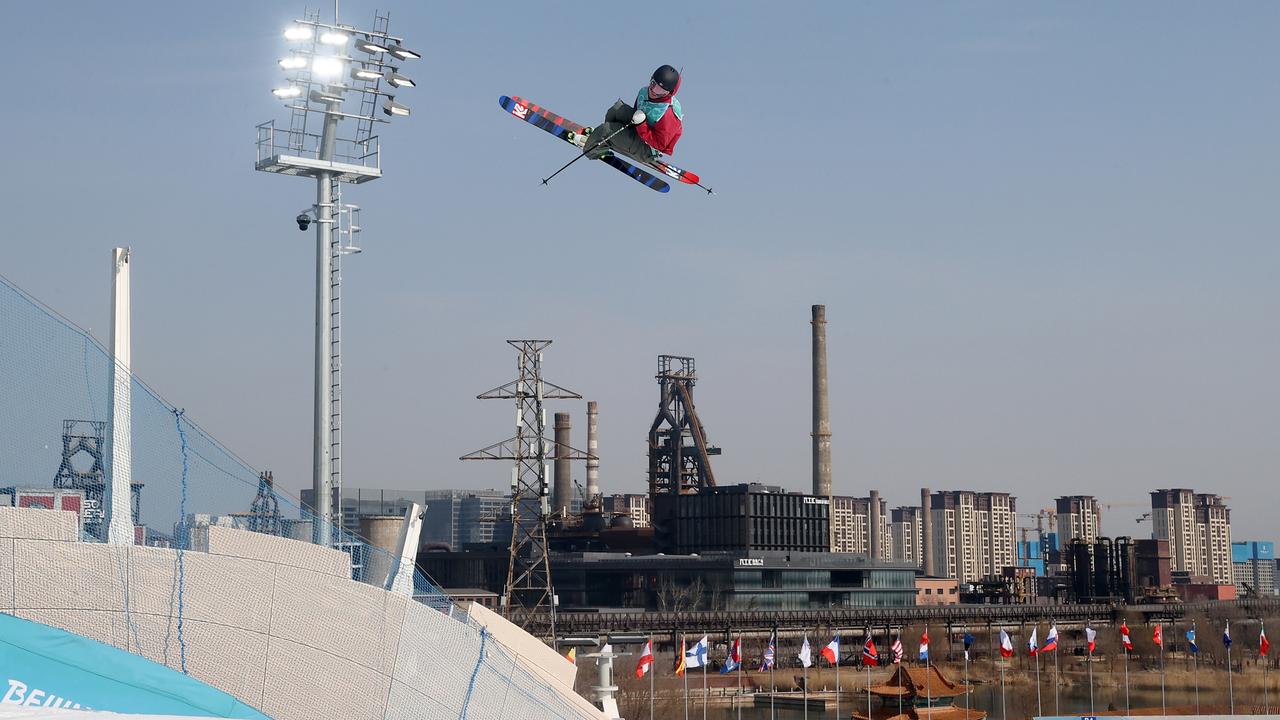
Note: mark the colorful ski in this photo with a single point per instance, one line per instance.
(642, 176)
(541, 117)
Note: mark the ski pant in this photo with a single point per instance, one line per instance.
(627, 142)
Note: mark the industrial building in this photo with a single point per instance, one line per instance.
(1123, 570)
(741, 518)
(708, 581)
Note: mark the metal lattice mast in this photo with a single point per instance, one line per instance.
(529, 592)
(264, 513)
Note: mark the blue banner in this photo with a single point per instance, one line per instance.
(49, 667)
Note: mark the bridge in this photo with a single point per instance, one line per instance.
(578, 623)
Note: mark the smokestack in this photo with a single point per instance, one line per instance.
(873, 524)
(562, 489)
(593, 447)
(821, 418)
(926, 530)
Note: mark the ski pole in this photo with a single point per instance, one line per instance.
(584, 153)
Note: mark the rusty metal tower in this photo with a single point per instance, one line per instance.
(529, 591)
(679, 456)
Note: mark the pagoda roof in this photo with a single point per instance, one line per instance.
(911, 682)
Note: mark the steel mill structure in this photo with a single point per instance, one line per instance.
(679, 456)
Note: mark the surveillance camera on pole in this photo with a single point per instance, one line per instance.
(332, 72)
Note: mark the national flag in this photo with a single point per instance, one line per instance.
(1191, 640)
(968, 643)
(1264, 645)
(1226, 635)
(1157, 636)
(805, 656)
(924, 645)
(572, 656)
(1124, 636)
(734, 661)
(680, 658)
(870, 658)
(1051, 640)
(696, 656)
(897, 650)
(646, 660)
(770, 652)
(1006, 645)
(832, 651)
(1090, 635)
(1032, 647)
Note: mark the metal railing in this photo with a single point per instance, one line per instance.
(273, 141)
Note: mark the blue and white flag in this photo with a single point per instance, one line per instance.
(696, 656)
(1191, 640)
(1226, 635)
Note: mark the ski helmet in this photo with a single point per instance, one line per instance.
(667, 77)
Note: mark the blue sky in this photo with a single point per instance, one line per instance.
(1045, 235)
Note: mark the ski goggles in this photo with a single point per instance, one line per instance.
(656, 90)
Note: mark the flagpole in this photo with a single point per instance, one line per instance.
(899, 669)
(1004, 710)
(684, 674)
(1266, 667)
(838, 674)
(704, 683)
(1195, 667)
(773, 678)
(1231, 698)
(1057, 674)
(1089, 659)
(806, 689)
(1039, 706)
(968, 689)
(740, 698)
(653, 667)
(928, 686)
(1126, 681)
(1163, 706)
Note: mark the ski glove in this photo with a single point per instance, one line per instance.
(637, 118)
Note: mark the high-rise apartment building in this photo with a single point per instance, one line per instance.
(973, 534)
(1255, 567)
(1198, 528)
(851, 523)
(906, 542)
(635, 506)
(1079, 518)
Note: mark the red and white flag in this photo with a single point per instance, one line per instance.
(897, 650)
(832, 651)
(646, 660)
(1090, 635)
(1124, 636)
(1157, 635)
(1006, 645)
(1264, 645)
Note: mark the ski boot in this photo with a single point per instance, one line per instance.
(579, 139)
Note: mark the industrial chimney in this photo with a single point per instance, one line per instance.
(562, 488)
(821, 417)
(926, 531)
(593, 451)
(873, 524)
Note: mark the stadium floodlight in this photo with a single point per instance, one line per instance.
(394, 109)
(325, 67)
(322, 71)
(395, 79)
(298, 32)
(404, 53)
(371, 46)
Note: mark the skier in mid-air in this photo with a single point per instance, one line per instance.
(647, 130)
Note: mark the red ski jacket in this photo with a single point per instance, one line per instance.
(663, 134)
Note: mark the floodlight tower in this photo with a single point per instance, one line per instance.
(326, 64)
